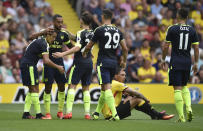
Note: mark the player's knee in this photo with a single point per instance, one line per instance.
(136, 101)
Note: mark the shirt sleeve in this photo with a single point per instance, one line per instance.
(195, 39)
(168, 35)
(78, 39)
(44, 47)
(118, 86)
(66, 40)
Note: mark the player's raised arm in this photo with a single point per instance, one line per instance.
(71, 36)
(124, 52)
(76, 48)
(41, 33)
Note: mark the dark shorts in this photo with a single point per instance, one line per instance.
(83, 73)
(29, 75)
(123, 110)
(50, 74)
(178, 77)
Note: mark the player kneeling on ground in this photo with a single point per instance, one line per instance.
(133, 100)
(34, 51)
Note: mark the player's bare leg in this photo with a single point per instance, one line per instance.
(86, 100)
(61, 99)
(69, 101)
(179, 103)
(141, 105)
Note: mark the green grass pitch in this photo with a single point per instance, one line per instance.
(10, 120)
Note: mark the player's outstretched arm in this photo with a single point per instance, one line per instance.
(48, 62)
(71, 36)
(88, 48)
(125, 53)
(196, 53)
(41, 33)
(135, 93)
(69, 52)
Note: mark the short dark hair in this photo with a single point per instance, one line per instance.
(183, 13)
(118, 70)
(56, 16)
(86, 18)
(107, 14)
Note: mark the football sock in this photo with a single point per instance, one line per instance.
(28, 102)
(187, 98)
(61, 100)
(148, 109)
(86, 100)
(179, 103)
(101, 102)
(70, 100)
(35, 102)
(47, 102)
(109, 100)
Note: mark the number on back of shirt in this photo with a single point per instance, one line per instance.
(115, 37)
(183, 38)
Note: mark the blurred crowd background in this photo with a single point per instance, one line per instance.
(143, 22)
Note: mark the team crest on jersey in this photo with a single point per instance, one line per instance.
(62, 37)
(196, 95)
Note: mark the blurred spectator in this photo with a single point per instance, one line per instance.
(41, 25)
(146, 73)
(145, 48)
(19, 42)
(4, 44)
(158, 78)
(34, 16)
(6, 72)
(4, 15)
(48, 13)
(127, 5)
(98, 11)
(156, 7)
(13, 9)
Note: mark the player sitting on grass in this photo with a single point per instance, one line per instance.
(36, 49)
(133, 100)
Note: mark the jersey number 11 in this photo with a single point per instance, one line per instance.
(181, 41)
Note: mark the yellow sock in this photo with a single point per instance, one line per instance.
(61, 100)
(47, 102)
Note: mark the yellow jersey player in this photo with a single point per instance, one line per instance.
(133, 100)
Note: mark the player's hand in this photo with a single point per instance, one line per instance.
(57, 55)
(164, 66)
(48, 31)
(61, 69)
(84, 54)
(123, 64)
(194, 69)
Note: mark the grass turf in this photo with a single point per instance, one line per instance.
(10, 120)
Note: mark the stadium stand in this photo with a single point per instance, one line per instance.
(144, 23)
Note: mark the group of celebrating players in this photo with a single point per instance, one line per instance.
(111, 73)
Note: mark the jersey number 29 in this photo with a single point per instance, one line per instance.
(116, 38)
(181, 41)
